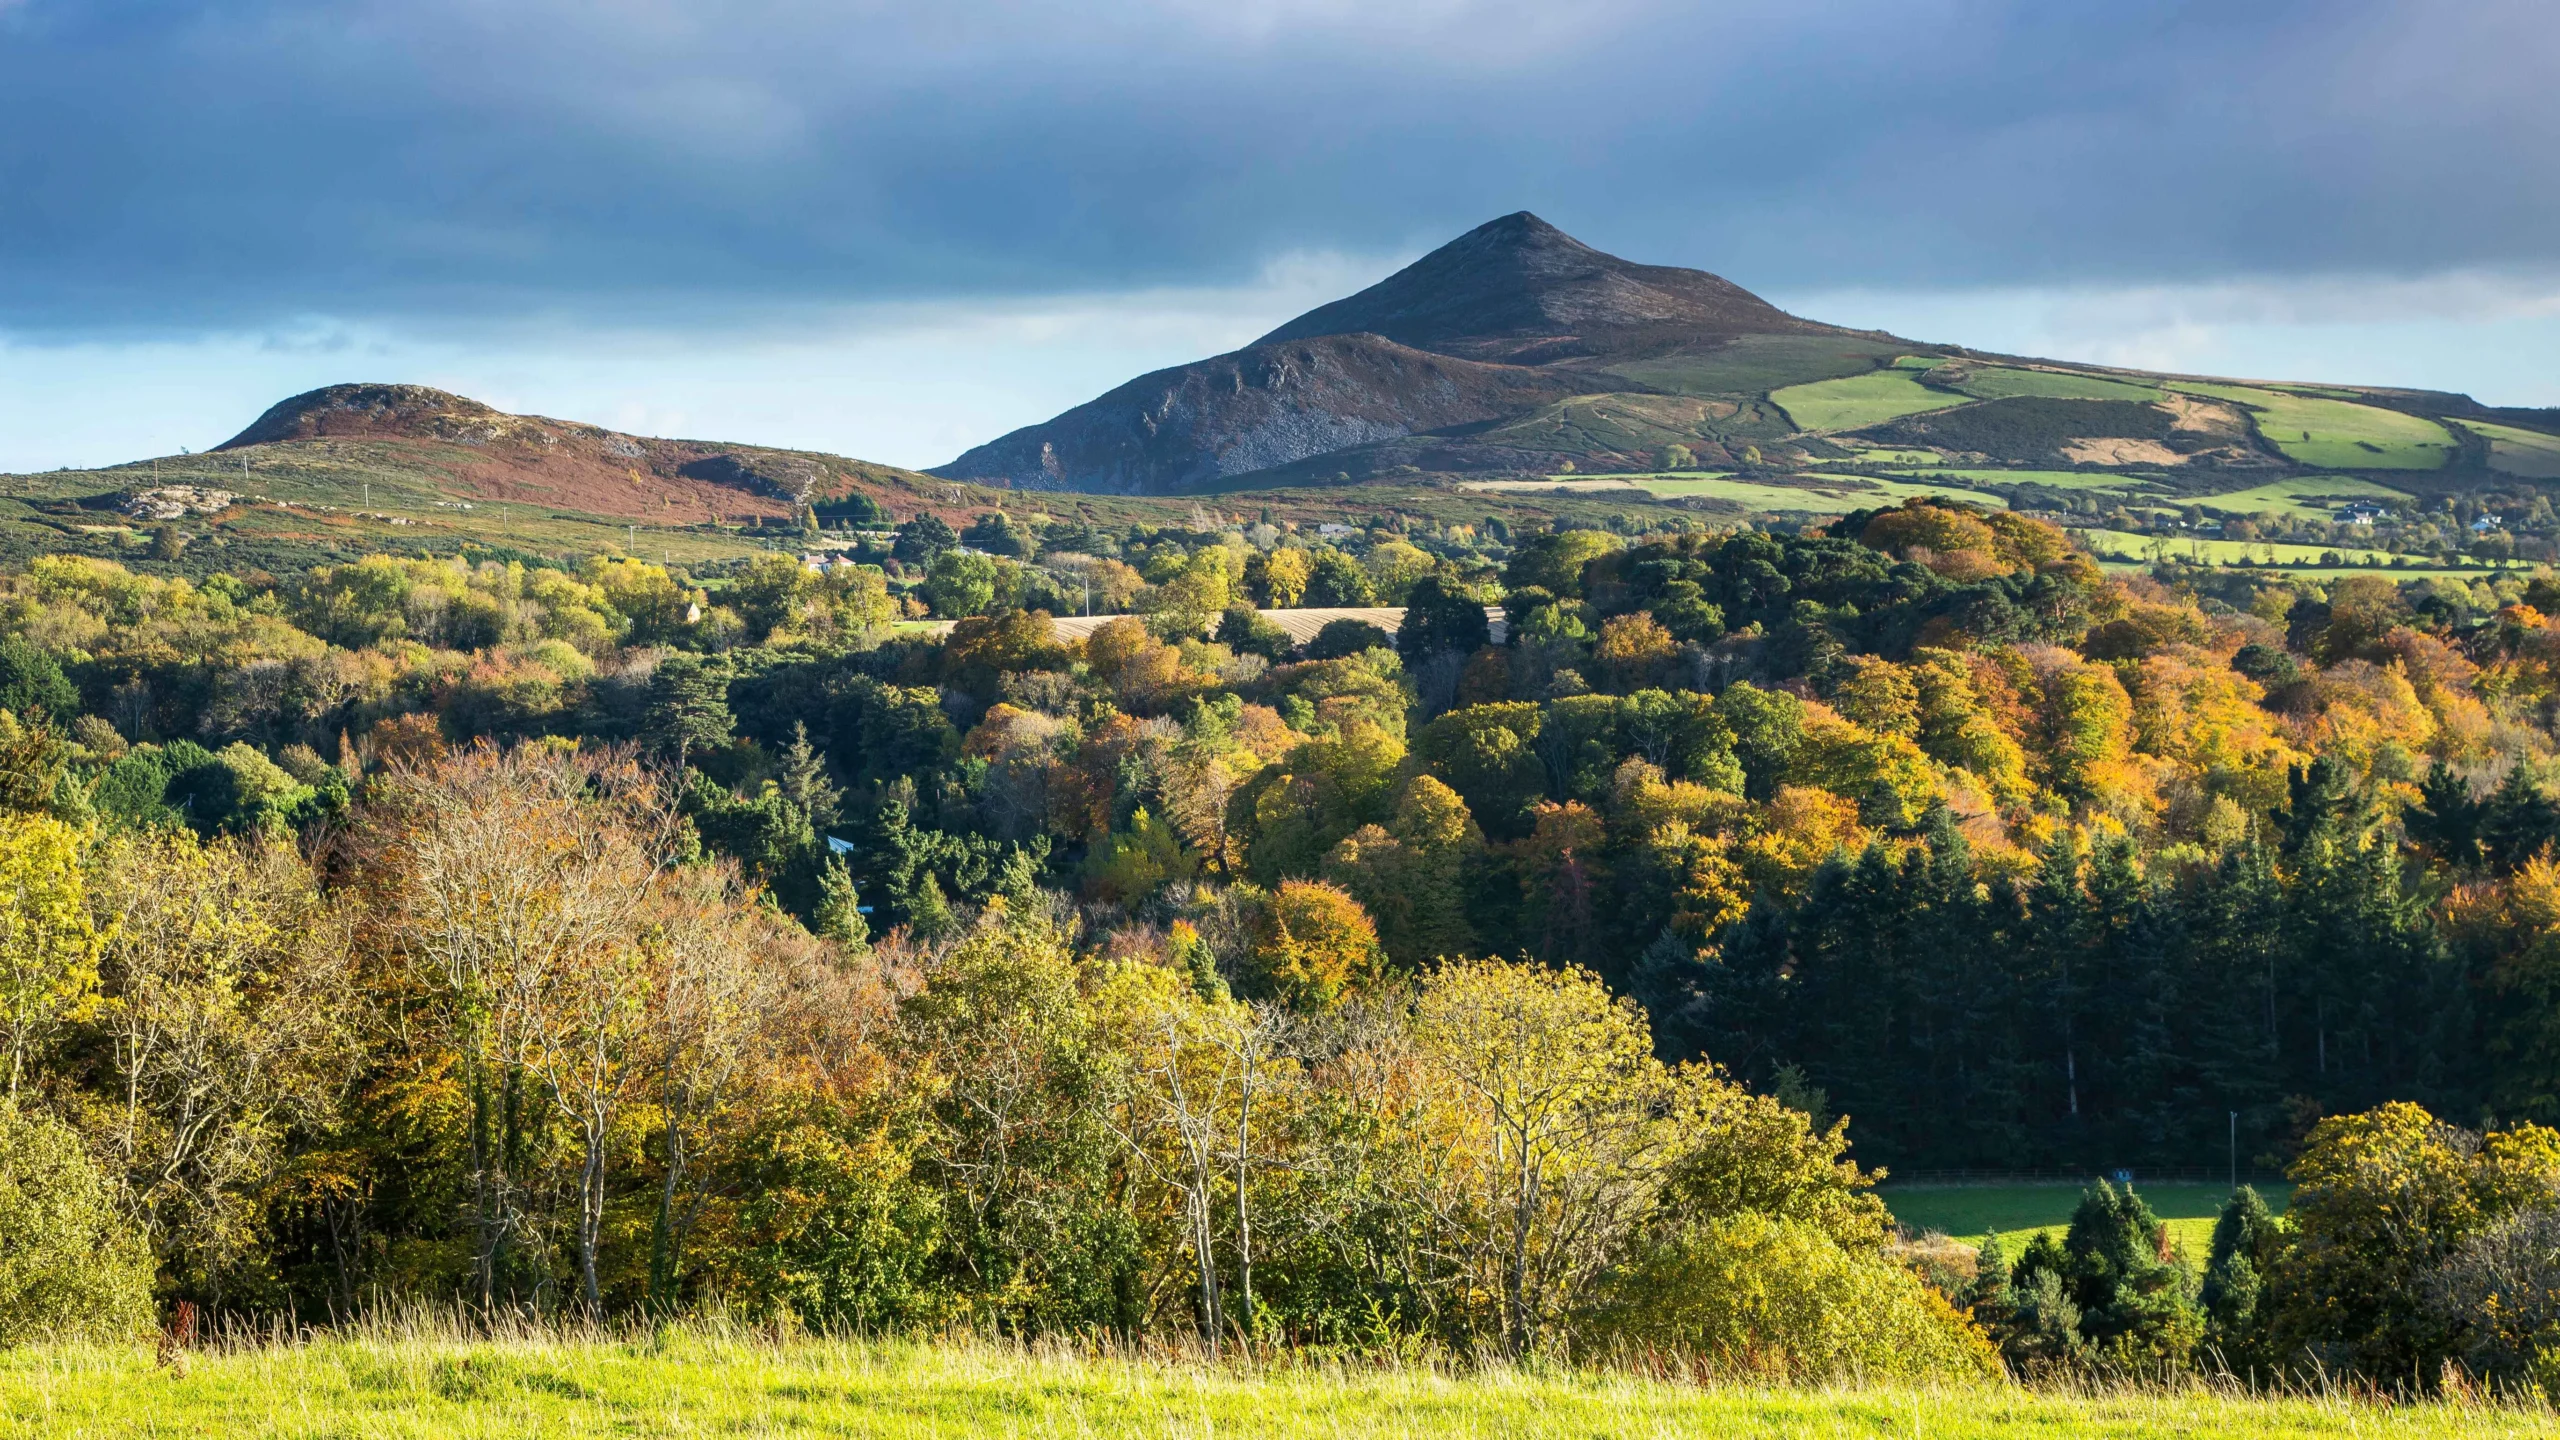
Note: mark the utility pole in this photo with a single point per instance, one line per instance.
(2235, 1152)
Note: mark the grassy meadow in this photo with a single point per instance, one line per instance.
(2124, 545)
(1860, 400)
(390, 1385)
(2308, 497)
(2006, 384)
(2094, 480)
(2528, 453)
(1815, 495)
(2338, 434)
(1967, 1213)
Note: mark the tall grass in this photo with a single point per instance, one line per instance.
(423, 1375)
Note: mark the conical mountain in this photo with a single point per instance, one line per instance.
(1508, 318)
(1519, 289)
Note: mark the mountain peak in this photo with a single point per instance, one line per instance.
(1519, 289)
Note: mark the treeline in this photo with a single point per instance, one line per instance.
(2019, 865)
(510, 1038)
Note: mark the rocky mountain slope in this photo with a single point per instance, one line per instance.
(1516, 352)
(1511, 317)
(1521, 291)
(1258, 408)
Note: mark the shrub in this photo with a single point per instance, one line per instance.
(1750, 1295)
(2500, 1291)
(69, 1265)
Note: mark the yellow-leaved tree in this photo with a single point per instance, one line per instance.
(49, 945)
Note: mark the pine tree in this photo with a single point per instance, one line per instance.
(929, 912)
(688, 709)
(2244, 1238)
(804, 780)
(839, 910)
(1988, 1296)
(2518, 821)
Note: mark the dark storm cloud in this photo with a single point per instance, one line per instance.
(166, 165)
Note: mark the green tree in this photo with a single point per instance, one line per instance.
(1335, 580)
(839, 910)
(960, 584)
(1440, 619)
(32, 685)
(804, 780)
(2246, 1236)
(688, 710)
(923, 539)
(70, 1263)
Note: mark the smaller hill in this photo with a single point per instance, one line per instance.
(470, 451)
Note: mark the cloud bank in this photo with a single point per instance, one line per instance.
(183, 165)
(966, 214)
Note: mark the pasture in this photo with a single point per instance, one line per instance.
(1967, 1213)
(2005, 384)
(384, 1384)
(2124, 545)
(1860, 400)
(2337, 434)
(1886, 455)
(1757, 364)
(2099, 481)
(2528, 453)
(1814, 495)
(2302, 496)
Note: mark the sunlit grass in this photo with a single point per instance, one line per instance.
(2529, 453)
(398, 1382)
(2006, 384)
(1860, 400)
(1969, 1212)
(2338, 434)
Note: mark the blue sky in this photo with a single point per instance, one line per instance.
(894, 230)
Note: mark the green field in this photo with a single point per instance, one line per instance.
(2122, 545)
(1877, 455)
(2310, 497)
(2052, 479)
(2528, 453)
(2337, 434)
(1756, 364)
(2005, 384)
(694, 1382)
(1820, 495)
(1969, 1212)
(1860, 400)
